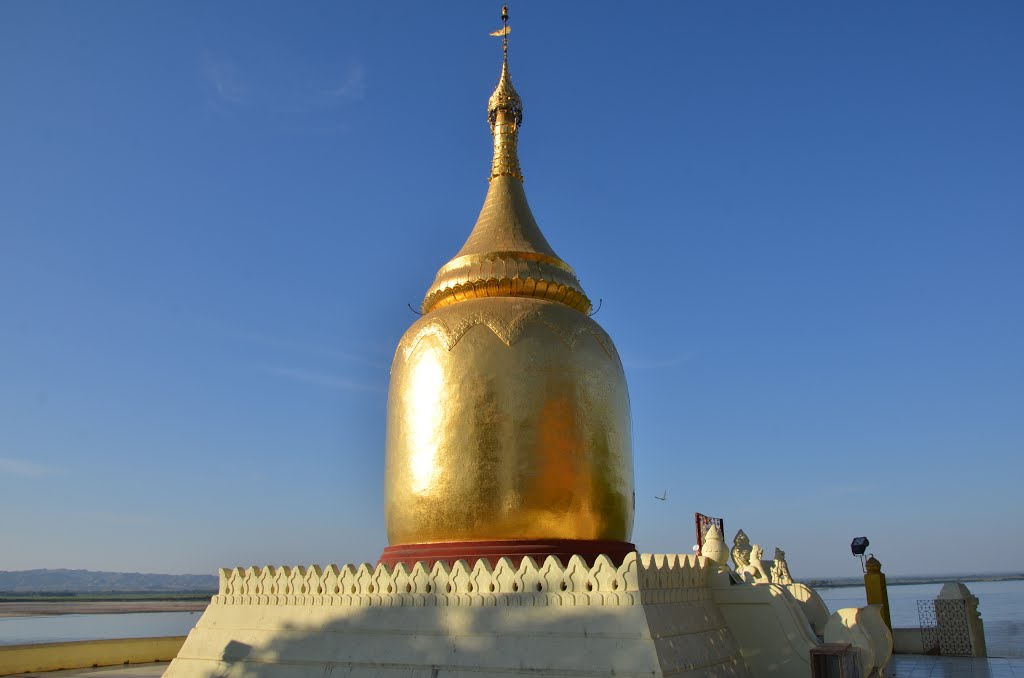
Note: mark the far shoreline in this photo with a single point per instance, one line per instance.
(909, 581)
(69, 603)
(64, 607)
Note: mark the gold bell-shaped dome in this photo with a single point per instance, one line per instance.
(508, 415)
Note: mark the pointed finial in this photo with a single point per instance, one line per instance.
(505, 114)
(504, 36)
(504, 30)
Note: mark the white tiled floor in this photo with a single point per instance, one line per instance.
(921, 666)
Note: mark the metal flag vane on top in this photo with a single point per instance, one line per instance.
(504, 30)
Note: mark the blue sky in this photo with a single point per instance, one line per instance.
(804, 220)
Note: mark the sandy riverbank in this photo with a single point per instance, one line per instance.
(36, 609)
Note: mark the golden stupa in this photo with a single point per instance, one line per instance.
(508, 415)
(509, 505)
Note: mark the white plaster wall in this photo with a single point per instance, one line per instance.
(773, 634)
(551, 640)
(814, 608)
(653, 616)
(907, 641)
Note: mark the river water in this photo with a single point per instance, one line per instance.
(66, 627)
(1001, 604)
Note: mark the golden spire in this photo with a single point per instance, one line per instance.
(505, 113)
(506, 255)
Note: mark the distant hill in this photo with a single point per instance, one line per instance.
(87, 581)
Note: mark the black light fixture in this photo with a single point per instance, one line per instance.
(858, 546)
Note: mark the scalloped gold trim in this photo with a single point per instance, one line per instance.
(507, 324)
(470, 259)
(507, 287)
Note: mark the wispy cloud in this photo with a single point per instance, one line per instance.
(352, 87)
(224, 79)
(655, 363)
(321, 379)
(291, 88)
(25, 469)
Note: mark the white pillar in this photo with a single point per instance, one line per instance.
(951, 620)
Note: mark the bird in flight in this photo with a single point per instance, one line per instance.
(664, 496)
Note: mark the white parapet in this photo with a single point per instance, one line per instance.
(814, 608)
(769, 625)
(654, 615)
(81, 654)
(961, 628)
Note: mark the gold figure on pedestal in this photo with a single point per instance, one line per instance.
(508, 414)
